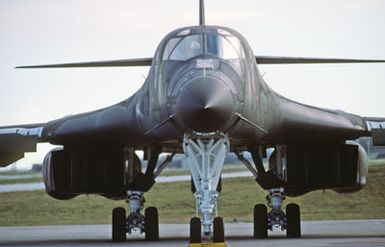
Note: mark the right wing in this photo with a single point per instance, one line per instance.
(108, 127)
(114, 125)
(16, 140)
(109, 63)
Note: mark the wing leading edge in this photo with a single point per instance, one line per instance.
(147, 62)
(108, 63)
(309, 60)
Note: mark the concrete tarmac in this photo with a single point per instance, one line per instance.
(314, 233)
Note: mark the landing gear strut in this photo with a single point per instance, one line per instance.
(135, 221)
(274, 184)
(137, 183)
(206, 155)
(276, 218)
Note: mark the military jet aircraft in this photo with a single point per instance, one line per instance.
(203, 97)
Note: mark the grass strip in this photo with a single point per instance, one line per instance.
(176, 204)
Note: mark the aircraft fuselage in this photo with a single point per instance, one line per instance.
(204, 79)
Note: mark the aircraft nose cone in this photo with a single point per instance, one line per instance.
(204, 104)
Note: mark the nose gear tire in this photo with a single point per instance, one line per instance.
(219, 230)
(195, 230)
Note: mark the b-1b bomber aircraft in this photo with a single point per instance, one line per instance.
(203, 97)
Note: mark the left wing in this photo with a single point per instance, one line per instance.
(16, 140)
(304, 123)
(376, 126)
(310, 60)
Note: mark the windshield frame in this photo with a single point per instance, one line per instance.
(227, 45)
(159, 75)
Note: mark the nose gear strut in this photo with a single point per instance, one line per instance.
(206, 156)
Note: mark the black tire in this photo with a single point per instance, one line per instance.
(151, 221)
(260, 221)
(119, 225)
(293, 227)
(219, 230)
(195, 230)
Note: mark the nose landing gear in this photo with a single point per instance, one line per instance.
(206, 155)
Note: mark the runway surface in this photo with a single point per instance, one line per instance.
(315, 233)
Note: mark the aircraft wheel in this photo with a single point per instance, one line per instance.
(119, 225)
(219, 230)
(151, 221)
(260, 221)
(293, 227)
(195, 230)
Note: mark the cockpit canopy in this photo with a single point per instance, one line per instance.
(190, 51)
(188, 44)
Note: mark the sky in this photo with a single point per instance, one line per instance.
(53, 31)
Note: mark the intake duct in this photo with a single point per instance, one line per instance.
(69, 173)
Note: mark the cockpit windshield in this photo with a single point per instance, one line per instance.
(189, 52)
(190, 45)
(226, 47)
(183, 48)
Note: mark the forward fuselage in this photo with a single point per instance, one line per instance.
(205, 80)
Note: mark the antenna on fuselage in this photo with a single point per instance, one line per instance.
(202, 12)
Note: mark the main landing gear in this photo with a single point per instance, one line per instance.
(205, 156)
(274, 184)
(137, 183)
(147, 224)
(276, 218)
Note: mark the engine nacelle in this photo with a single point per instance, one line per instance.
(69, 173)
(362, 170)
(51, 175)
(306, 167)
